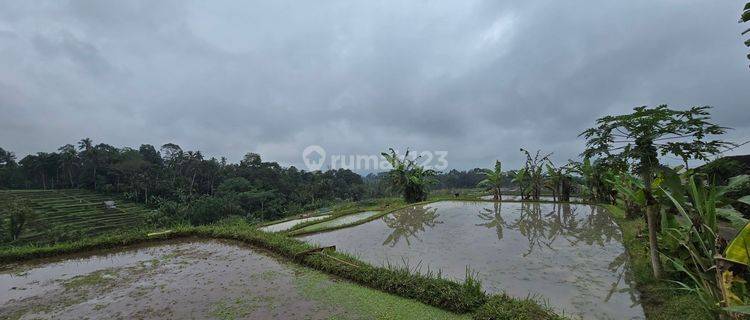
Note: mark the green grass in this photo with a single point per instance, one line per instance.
(365, 302)
(74, 210)
(501, 307)
(659, 299)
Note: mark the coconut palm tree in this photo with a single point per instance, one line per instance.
(89, 155)
(493, 180)
(68, 159)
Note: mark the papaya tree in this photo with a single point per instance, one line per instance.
(646, 134)
(493, 180)
(408, 177)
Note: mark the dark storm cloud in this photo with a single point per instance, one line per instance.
(478, 79)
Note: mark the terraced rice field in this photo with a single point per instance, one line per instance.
(188, 279)
(75, 209)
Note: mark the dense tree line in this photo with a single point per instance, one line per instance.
(172, 176)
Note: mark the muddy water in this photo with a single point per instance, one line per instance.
(189, 280)
(569, 255)
(340, 221)
(283, 226)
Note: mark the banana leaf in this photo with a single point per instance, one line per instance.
(739, 250)
(738, 309)
(733, 216)
(745, 199)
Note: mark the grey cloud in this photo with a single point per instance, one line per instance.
(479, 79)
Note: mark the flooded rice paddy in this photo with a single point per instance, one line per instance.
(190, 280)
(284, 226)
(340, 221)
(570, 255)
(507, 197)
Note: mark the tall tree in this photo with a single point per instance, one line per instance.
(68, 160)
(645, 134)
(88, 153)
(10, 172)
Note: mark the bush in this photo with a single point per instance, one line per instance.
(210, 209)
(502, 307)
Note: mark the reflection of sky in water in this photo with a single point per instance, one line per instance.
(570, 255)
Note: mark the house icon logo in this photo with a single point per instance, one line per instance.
(314, 156)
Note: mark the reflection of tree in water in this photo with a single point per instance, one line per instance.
(409, 222)
(620, 267)
(566, 222)
(494, 219)
(539, 230)
(543, 228)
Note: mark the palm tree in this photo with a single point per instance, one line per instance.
(409, 177)
(89, 153)
(68, 160)
(493, 180)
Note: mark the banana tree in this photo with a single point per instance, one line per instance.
(534, 172)
(493, 180)
(699, 249)
(521, 179)
(408, 176)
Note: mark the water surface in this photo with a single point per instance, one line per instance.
(518, 198)
(571, 255)
(284, 226)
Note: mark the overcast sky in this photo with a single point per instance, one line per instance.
(479, 79)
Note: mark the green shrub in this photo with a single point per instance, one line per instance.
(721, 170)
(210, 209)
